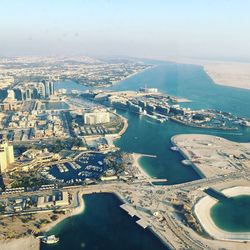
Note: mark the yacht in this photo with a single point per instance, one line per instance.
(52, 239)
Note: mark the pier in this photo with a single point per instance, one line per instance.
(132, 212)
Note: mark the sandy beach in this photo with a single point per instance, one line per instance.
(77, 210)
(202, 211)
(136, 158)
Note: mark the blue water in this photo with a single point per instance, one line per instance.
(188, 81)
(92, 159)
(103, 226)
(149, 137)
(228, 214)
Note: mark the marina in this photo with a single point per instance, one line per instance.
(168, 164)
(150, 139)
(88, 166)
(125, 125)
(80, 230)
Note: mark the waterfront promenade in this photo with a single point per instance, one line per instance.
(144, 200)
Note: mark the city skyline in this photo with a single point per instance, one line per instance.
(124, 124)
(161, 30)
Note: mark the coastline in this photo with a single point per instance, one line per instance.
(75, 211)
(202, 212)
(80, 202)
(229, 74)
(81, 206)
(112, 137)
(142, 171)
(129, 76)
(186, 157)
(109, 85)
(223, 73)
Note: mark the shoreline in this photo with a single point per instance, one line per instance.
(117, 194)
(223, 73)
(186, 157)
(81, 206)
(75, 211)
(137, 157)
(111, 84)
(219, 73)
(202, 212)
(129, 76)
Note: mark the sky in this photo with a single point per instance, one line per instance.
(141, 28)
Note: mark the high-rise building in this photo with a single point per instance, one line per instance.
(28, 94)
(11, 96)
(44, 88)
(6, 155)
(41, 90)
(51, 88)
(18, 94)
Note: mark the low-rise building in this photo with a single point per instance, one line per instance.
(93, 118)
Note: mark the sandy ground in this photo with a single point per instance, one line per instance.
(232, 74)
(212, 155)
(27, 243)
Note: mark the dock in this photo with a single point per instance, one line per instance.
(132, 212)
(143, 223)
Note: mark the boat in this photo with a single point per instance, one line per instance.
(187, 162)
(52, 239)
(174, 148)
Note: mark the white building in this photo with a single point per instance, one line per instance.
(11, 96)
(96, 118)
(6, 155)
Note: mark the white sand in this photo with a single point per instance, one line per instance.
(27, 243)
(202, 211)
(140, 168)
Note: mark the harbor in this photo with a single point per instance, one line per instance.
(139, 128)
(149, 138)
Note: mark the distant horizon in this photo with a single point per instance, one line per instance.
(145, 29)
(167, 59)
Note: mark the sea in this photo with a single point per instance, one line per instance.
(104, 225)
(230, 219)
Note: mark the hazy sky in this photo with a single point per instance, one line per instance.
(145, 28)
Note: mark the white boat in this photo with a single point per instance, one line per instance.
(174, 148)
(52, 239)
(186, 162)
